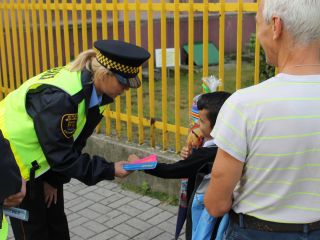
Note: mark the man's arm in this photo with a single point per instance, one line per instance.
(225, 174)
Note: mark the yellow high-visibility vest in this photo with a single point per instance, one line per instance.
(4, 230)
(20, 132)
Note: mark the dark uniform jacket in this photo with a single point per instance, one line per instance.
(9, 171)
(47, 105)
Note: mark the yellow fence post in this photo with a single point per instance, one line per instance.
(177, 72)
(66, 31)
(8, 47)
(84, 31)
(205, 37)
(36, 55)
(116, 36)
(164, 75)
(140, 90)
(58, 31)
(3, 59)
(257, 57)
(75, 28)
(104, 20)
(22, 40)
(28, 35)
(43, 41)
(239, 45)
(190, 56)
(151, 75)
(222, 19)
(16, 78)
(105, 36)
(50, 34)
(128, 93)
(94, 20)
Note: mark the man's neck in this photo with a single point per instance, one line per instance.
(300, 60)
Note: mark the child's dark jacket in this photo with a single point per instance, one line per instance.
(187, 168)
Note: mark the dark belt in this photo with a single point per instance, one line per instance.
(250, 222)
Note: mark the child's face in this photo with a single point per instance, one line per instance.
(204, 123)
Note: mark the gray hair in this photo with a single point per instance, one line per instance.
(301, 18)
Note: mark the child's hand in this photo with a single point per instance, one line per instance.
(132, 158)
(195, 138)
(119, 171)
(185, 152)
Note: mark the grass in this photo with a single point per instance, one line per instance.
(145, 190)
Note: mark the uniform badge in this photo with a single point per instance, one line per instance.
(69, 124)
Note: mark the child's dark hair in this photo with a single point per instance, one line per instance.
(212, 102)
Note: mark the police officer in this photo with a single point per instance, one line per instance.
(48, 120)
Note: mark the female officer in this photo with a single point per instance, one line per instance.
(57, 111)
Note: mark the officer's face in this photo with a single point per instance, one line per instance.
(109, 85)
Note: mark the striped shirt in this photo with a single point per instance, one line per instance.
(274, 128)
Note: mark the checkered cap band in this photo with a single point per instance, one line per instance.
(113, 65)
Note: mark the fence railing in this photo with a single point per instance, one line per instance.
(38, 35)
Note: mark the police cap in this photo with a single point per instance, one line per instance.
(122, 59)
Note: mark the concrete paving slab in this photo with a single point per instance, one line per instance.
(105, 211)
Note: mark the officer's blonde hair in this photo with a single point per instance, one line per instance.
(87, 60)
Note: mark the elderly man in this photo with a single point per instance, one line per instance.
(267, 169)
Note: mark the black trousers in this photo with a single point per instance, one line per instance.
(44, 223)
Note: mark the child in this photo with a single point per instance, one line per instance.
(194, 141)
(209, 105)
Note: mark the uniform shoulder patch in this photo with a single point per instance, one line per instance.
(69, 124)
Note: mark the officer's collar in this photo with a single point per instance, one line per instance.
(106, 100)
(87, 83)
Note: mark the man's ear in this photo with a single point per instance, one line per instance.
(277, 27)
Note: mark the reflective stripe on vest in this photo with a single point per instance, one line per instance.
(4, 230)
(17, 125)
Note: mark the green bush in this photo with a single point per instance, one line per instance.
(266, 70)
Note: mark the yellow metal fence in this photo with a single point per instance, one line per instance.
(37, 35)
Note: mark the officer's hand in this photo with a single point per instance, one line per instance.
(16, 199)
(119, 171)
(132, 158)
(50, 194)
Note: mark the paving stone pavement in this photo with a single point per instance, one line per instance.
(105, 211)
